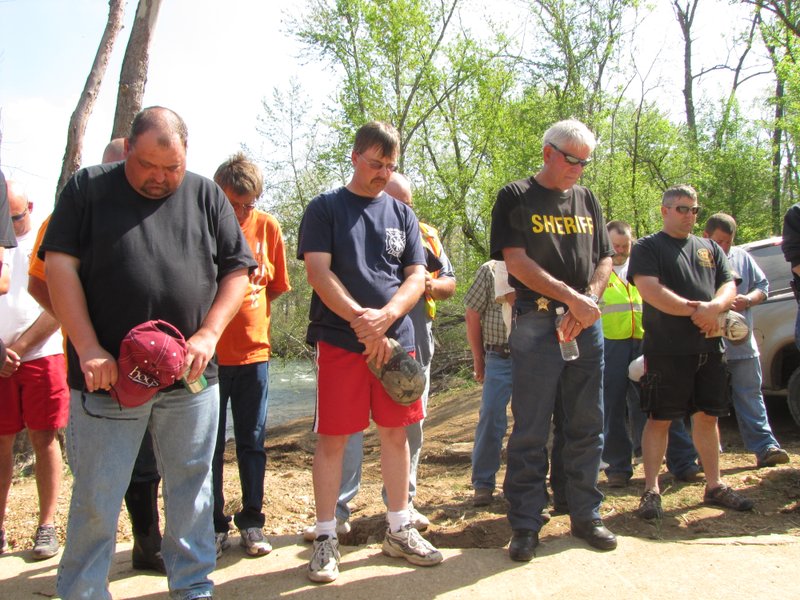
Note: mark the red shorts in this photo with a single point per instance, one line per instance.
(36, 396)
(347, 392)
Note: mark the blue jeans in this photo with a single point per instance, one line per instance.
(247, 387)
(537, 373)
(621, 395)
(618, 446)
(354, 455)
(492, 421)
(748, 402)
(102, 450)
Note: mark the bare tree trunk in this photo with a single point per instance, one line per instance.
(777, 135)
(133, 76)
(685, 16)
(80, 117)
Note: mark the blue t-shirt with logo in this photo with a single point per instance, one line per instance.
(371, 241)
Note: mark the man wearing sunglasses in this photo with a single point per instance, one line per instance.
(551, 233)
(686, 283)
(33, 389)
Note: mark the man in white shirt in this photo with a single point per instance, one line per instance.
(33, 386)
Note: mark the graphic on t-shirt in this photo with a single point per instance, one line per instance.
(258, 278)
(705, 258)
(569, 225)
(395, 242)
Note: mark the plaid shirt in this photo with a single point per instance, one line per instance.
(480, 298)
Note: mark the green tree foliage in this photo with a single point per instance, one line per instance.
(472, 108)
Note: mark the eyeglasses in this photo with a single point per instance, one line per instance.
(248, 206)
(20, 216)
(377, 165)
(96, 416)
(573, 160)
(685, 210)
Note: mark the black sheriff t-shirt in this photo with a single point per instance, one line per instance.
(564, 232)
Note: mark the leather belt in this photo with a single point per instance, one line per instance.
(502, 349)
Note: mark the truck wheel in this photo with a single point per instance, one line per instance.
(793, 398)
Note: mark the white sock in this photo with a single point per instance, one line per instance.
(325, 528)
(398, 520)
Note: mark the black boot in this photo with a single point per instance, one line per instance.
(142, 502)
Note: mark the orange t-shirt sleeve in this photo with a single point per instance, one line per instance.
(36, 266)
(277, 256)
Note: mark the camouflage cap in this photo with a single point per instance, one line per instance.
(732, 326)
(402, 377)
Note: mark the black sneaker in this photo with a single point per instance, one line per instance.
(727, 497)
(650, 506)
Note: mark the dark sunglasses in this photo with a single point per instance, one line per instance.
(96, 416)
(685, 210)
(573, 160)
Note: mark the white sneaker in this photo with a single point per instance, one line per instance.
(418, 521)
(342, 528)
(324, 564)
(409, 544)
(221, 542)
(253, 541)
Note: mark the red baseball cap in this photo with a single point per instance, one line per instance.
(151, 358)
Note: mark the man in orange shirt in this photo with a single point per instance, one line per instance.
(243, 352)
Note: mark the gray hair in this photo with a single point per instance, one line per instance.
(570, 132)
(620, 227)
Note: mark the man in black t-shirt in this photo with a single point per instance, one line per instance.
(686, 285)
(551, 233)
(791, 251)
(131, 242)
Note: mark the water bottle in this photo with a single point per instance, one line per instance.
(569, 348)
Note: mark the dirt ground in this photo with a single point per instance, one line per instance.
(445, 494)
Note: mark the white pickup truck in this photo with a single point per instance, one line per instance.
(773, 325)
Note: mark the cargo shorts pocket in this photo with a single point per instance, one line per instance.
(650, 383)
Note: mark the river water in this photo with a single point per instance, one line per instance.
(292, 391)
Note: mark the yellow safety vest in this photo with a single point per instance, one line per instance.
(430, 239)
(621, 306)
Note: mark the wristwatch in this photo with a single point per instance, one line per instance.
(594, 298)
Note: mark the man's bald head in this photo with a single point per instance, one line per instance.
(400, 187)
(115, 151)
(19, 207)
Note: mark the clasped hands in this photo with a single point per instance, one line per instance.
(582, 313)
(370, 326)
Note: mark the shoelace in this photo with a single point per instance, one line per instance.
(415, 540)
(44, 536)
(325, 552)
